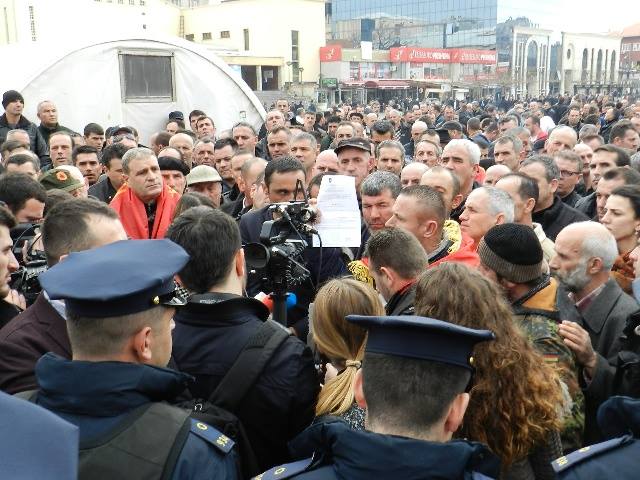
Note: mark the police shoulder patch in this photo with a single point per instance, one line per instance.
(212, 436)
(584, 453)
(287, 470)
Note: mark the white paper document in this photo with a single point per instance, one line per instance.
(339, 224)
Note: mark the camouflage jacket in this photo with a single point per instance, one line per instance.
(540, 324)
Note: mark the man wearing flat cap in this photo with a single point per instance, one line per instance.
(413, 383)
(114, 387)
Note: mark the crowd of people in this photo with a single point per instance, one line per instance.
(487, 326)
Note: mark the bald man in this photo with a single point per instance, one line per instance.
(412, 173)
(495, 173)
(184, 144)
(326, 162)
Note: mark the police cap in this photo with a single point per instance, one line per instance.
(121, 278)
(421, 338)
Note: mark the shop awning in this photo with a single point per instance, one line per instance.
(387, 84)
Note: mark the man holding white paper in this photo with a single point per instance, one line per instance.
(339, 224)
(355, 159)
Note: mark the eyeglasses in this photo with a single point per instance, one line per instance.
(568, 173)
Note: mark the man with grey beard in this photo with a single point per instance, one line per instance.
(593, 307)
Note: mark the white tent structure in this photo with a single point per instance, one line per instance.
(134, 81)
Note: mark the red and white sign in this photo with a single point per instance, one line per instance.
(331, 53)
(441, 55)
(482, 57)
(419, 55)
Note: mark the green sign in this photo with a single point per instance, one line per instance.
(329, 83)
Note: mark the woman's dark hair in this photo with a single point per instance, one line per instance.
(632, 193)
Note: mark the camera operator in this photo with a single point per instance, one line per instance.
(70, 226)
(10, 304)
(282, 179)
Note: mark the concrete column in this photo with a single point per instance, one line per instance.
(514, 56)
(259, 78)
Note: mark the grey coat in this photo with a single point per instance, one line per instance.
(604, 319)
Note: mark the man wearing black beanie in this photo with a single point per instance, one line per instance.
(511, 255)
(12, 119)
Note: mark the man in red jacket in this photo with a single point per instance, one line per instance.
(144, 203)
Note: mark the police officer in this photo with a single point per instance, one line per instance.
(617, 458)
(120, 302)
(413, 383)
(26, 429)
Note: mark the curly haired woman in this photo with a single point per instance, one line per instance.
(516, 398)
(342, 343)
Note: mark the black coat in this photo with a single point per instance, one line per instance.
(38, 144)
(401, 303)
(36, 331)
(572, 199)
(207, 340)
(103, 190)
(587, 205)
(556, 217)
(235, 208)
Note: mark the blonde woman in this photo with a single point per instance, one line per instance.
(342, 343)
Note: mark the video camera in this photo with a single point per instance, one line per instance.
(32, 262)
(280, 251)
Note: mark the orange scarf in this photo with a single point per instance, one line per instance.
(133, 214)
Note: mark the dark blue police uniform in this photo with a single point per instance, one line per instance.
(332, 450)
(125, 425)
(35, 443)
(615, 458)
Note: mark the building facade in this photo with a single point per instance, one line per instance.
(630, 59)
(270, 44)
(589, 63)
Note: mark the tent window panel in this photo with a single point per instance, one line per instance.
(147, 77)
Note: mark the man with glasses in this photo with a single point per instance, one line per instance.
(570, 165)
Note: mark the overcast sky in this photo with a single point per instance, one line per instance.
(575, 16)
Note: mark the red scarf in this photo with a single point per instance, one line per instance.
(133, 214)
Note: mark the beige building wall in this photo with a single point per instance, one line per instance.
(46, 21)
(269, 24)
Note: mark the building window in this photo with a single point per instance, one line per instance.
(189, 36)
(142, 3)
(246, 38)
(121, 2)
(295, 55)
(225, 34)
(132, 2)
(147, 76)
(32, 21)
(206, 36)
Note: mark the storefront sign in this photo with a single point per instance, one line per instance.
(419, 55)
(440, 55)
(329, 83)
(331, 53)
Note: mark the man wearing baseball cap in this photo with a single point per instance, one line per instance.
(12, 119)
(355, 159)
(115, 386)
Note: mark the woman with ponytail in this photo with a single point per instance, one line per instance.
(342, 343)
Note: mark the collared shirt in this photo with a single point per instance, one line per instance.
(58, 305)
(584, 303)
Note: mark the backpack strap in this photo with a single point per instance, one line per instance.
(249, 365)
